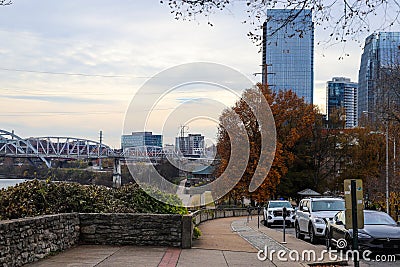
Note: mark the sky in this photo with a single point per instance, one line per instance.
(72, 68)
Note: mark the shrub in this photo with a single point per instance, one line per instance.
(33, 198)
(196, 232)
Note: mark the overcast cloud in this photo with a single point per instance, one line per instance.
(72, 67)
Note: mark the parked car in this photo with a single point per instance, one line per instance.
(380, 232)
(313, 215)
(273, 213)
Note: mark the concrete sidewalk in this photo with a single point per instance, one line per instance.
(219, 245)
(102, 256)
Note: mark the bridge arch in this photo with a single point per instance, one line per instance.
(51, 147)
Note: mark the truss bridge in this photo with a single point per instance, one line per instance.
(52, 147)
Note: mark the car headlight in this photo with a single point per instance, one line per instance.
(319, 220)
(270, 212)
(364, 236)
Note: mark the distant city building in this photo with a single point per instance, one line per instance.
(341, 93)
(288, 59)
(193, 144)
(211, 151)
(139, 139)
(169, 148)
(381, 50)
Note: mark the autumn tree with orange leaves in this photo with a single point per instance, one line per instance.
(294, 120)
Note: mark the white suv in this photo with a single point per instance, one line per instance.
(274, 211)
(313, 215)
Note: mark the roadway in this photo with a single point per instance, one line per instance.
(291, 235)
(182, 194)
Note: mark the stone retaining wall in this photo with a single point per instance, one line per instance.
(131, 229)
(211, 214)
(30, 239)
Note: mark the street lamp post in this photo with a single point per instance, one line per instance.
(387, 161)
(387, 167)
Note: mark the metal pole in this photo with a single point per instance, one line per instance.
(354, 219)
(284, 211)
(394, 158)
(387, 168)
(101, 141)
(284, 231)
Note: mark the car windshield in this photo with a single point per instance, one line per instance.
(371, 218)
(327, 205)
(279, 204)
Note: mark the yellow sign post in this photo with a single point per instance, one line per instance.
(359, 203)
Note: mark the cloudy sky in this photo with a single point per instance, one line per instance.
(71, 68)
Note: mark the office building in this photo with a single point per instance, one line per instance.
(341, 93)
(193, 144)
(381, 51)
(288, 52)
(141, 139)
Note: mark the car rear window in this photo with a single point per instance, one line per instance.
(376, 218)
(327, 205)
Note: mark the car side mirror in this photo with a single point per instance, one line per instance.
(306, 209)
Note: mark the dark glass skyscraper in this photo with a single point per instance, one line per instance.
(288, 52)
(381, 50)
(341, 93)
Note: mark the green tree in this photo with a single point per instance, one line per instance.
(356, 154)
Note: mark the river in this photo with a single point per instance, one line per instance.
(4, 183)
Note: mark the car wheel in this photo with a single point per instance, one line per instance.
(349, 243)
(313, 238)
(299, 235)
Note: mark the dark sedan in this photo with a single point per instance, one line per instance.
(380, 232)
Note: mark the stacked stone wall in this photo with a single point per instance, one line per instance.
(131, 229)
(30, 239)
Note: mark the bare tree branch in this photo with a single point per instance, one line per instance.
(5, 2)
(344, 19)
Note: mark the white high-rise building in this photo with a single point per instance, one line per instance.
(341, 93)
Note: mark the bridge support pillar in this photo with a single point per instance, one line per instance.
(117, 173)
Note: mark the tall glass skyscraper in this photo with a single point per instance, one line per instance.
(381, 50)
(341, 93)
(288, 52)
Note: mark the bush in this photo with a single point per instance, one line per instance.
(33, 198)
(196, 232)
